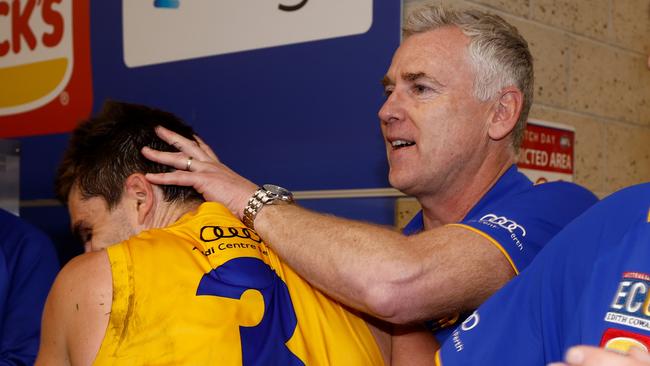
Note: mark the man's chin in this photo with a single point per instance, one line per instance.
(402, 184)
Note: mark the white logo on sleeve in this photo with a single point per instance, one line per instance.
(504, 222)
(471, 321)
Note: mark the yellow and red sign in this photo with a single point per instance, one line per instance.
(622, 340)
(45, 73)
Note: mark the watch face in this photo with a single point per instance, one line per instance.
(281, 193)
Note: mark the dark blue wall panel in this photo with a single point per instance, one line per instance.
(310, 108)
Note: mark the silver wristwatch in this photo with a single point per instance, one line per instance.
(268, 194)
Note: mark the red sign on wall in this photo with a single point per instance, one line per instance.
(546, 153)
(45, 73)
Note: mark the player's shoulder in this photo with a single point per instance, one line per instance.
(609, 220)
(556, 198)
(86, 274)
(78, 308)
(638, 194)
(562, 189)
(621, 207)
(92, 261)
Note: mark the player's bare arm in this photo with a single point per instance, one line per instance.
(76, 312)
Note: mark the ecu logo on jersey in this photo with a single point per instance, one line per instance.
(630, 305)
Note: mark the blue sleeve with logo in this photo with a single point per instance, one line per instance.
(521, 224)
(590, 285)
(517, 217)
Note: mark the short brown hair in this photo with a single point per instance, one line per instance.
(105, 150)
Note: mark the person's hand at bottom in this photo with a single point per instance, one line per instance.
(593, 356)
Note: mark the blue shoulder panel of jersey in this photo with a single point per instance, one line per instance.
(521, 218)
(518, 217)
(590, 285)
(511, 182)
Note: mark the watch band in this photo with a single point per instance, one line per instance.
(268, 194)
(253, 206)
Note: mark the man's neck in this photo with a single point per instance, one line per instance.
(453, 204)
(168, 213)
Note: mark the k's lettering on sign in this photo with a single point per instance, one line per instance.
(36, 46)
(44, 66)
(21, 30)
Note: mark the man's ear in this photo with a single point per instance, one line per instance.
(507, 108)
(140, 192)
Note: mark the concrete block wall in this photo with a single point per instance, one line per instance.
(591, 72)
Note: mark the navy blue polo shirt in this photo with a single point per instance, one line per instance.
(518, 218)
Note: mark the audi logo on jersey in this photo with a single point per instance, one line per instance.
(504, 222)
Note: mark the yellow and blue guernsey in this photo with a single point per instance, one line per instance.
(207, 291)
(518, 218)
(590, 285)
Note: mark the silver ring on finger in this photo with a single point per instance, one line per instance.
(188, 165)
